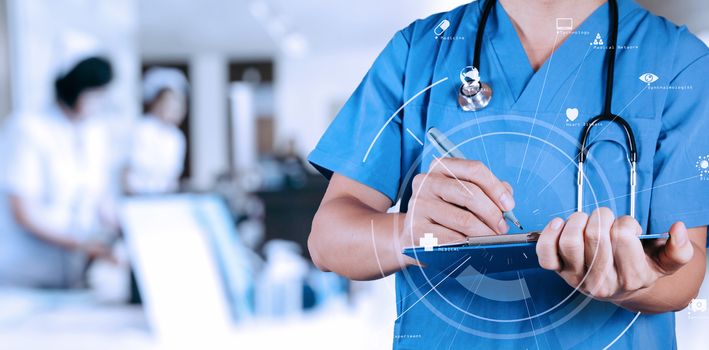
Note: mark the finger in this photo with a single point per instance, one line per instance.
(508, 187)
(628, 254)
(476, 172)
(571, 246)
(547, 251)
(467, 195)
(598, 254)
(457, 219)
(678, 251)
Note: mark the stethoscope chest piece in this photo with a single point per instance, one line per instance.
(474, 94)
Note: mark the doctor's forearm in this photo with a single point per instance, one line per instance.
(356, 241)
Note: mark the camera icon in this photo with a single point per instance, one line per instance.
(698, 305)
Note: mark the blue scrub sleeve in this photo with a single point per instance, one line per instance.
(681, 184)
(364, 141)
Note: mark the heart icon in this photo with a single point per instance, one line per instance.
(572, 113)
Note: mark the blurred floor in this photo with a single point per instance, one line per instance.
(42, 320)
(57, 320)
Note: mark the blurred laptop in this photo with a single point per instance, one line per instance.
(182, 248)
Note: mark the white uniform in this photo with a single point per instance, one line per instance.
(62, 168)
(157, 157)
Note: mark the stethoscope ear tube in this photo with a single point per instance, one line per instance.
(475, 95)
(611, 118)
(608, 116)
(632, 156)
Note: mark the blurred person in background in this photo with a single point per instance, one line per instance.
(158, 150)
(54, 217)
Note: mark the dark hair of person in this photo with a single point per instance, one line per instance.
(90, 73)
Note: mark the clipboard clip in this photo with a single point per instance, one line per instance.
(529, 237)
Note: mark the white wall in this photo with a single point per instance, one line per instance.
(208, 123)
(310, 91)
(4, 64)
(692, 13)
(36, 29)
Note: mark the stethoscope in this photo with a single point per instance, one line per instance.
(474, 95)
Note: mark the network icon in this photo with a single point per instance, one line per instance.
(598, 41)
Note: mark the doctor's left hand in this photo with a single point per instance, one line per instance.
(604, 258)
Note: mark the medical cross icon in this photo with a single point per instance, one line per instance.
(428, 241)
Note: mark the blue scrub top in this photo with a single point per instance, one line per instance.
(528, 136)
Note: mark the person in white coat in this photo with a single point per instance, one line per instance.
(53, 183)
(158, 148)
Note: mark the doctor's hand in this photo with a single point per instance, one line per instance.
(457, 198)
(96, 250)
(604, 258)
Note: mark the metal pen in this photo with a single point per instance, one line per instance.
(447, 149)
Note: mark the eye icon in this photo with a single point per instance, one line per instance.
(648, 78)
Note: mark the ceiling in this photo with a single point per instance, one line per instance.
(170, 28)
(181, 27)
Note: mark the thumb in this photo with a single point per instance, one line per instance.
(678, 250)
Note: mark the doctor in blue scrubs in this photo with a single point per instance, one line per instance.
(546, 62)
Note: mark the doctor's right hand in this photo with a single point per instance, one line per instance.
(456, 199)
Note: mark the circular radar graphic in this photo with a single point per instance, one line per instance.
(541, 167)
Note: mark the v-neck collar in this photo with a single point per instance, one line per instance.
(524, 84)
(510, 53)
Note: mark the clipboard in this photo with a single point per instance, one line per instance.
(491, 254)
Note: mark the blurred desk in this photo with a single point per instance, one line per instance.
(289, 212)
(60, 320)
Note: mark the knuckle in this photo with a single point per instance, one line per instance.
(628, 223)
(604, 293)
(541, 248)
(546, 261)
(594, 293)
(632, 284)
(435, 163)
(648, 280)
(569, 245)
(472, 195)
(598, 291)
(573, 280)
(578, 218)
(463, 219)
(492, 214)
(475, 166)
(593, 232)
(418, 181)
(604, 214)
(624, 228)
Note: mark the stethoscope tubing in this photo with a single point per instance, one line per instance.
(607, 115)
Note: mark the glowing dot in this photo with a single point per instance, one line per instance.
(704, 164)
